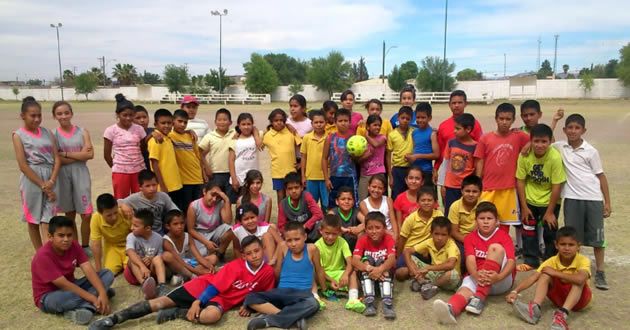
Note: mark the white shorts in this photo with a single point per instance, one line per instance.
(498, 288)
(442, 173)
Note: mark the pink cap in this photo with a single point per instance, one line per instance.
(189, 99)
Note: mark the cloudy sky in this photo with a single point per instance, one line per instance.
(151, 34)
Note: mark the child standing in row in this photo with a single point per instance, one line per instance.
(163, 159)
(215, 148)
(458, 154)
(338, 167)
(74, 182)
(189, 160)
(425, 146)
(252, 193)
(109, 228)
(243, 151)
(347, 102)
(373, 159)
(141, 117)
(36, 154)
(312, 149)
(399, 144)
(330, 108)
(407, 98)
(299, 121)
(374, 107)
(190, 105)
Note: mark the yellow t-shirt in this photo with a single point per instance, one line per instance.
(281, 146)
(313, 147)
(112, 235)
(188, 158)
(164, 153)
(399, 146)
(458, 215)
(386, 128)
(416, 229)
(449, 250)
(580, 262)
(219, 146)
(330, 128)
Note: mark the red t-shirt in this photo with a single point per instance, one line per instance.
(461, 162)
(48, 266)
(475, 244)
(355, 118)
(500, 155)
(446, 132)
(404, 205)
(366, 248)
(234, 281)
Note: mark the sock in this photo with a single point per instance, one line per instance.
(134, 311)
(482, 291)
(564, 310)
(458, 303)
(353, 294)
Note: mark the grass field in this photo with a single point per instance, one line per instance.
(607, 123)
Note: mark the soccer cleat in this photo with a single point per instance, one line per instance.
(600, 280)
(79, 316)
(169, 314)
(370, 310)
(102, 324)
(355, 305)
(257, 323)
(475, 305)
(162, 290)
(388, 312)
(428, 291)
(559, 321)
(443, 312)
(529, 312)
(148, 288)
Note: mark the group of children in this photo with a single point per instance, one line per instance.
(170, 215)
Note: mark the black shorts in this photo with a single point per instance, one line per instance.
(183, 299)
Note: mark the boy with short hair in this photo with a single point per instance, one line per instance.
(338, 167)
(351, 218)
(158, 202)
(459, 154)
(425, 145)
(399, 144)
(108, 235)
(311, 149)
(462, 213)
(299, 206)
(586, 195)
(55, 290)
(190, 105)
(373, 258)
(531, 114)
(336, 260)
(144, 249)
(416, 229)
(489, 254)
(540, 175)
(562, 278)
(444, 270)
(297, 268)
(206, 298)
(215, 148)
(162, 157)
(189, 160)
(330, 109)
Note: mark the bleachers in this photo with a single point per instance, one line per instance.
(221, 98)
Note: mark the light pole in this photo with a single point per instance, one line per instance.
(220, 14)
(385, 54)
(444, 56)
(56, 27)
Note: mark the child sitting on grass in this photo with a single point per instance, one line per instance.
(562, 278)
(108, 235)
(209, 219)
(299, 206)
(351, 218)
(248, 224)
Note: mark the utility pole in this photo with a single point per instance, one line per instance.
(102, 64)
(444, 55)
(538, 59)
(56, 27)
(555, 56)
(504, 65)
(383, 75)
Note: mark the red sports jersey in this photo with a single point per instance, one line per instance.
(234, 281)
(365, 248)
(475, 244)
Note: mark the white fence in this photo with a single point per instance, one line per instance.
(220, 98)
(430, 97)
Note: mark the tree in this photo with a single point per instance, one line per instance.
(126, 74)
(102, 78)
(469, 75)
(68, 78)
(212, 79)
(296, 88)
(176, 77)
(198, 85)
(359, 70)
(151, 78)
(288, 69)
(545, 70)
(611, 68)
(15, 91)
(261, 78)
(34, 82)
(409, 70)
(433, 71)
(587, 82)
(331, 73)
(623, 68)
(565, 68)
(85, 83)
(395, 80)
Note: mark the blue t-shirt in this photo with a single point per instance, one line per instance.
(341, 164)
(412, 123)
(422, 145)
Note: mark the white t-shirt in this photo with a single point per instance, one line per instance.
(246, 157)
(240, 232)
(383, 208)
(199, 126)
(581, 165)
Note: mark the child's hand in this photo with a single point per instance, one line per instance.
(126, 210)
(435, 177)
(511, 297)
(526, 214)
(344, 280)
(193, 135)
(194, 311)
(102, 304)
(244, 312)
(551, 220)
(558, 115)
(376, 273)
(526, 149)
(157, 136)
(390, 180)
(145, 272)
(235, 184)
(334, 285)
(146, 261)
(361, 123)
(410, 157)
(607, 210)
(491, 277)
(52, 197)
(304, 181)
(329, 185)
(291, 129)
(211, 246)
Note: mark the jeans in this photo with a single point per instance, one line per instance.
(318, 190)
(294, 304)
(399, 185)
(57, 302)
(538, 237)
(452, 195)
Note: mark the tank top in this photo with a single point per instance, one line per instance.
(70, 141)
(299, 214)
(206, 219)
(422, 145)
(38, 147)
(185, 249)
(262, 202)
(296, 274)
(340, 162)
(383, 208)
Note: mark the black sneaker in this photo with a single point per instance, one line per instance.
(257, 323)
(102, 324)
(162, 290)
(170, 314)
(370, 310)
(428, 291)
(79, 316)
(600, 280)
(388, 312)
(111, 293)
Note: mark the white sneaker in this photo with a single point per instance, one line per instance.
(443, 312)
(177, 280)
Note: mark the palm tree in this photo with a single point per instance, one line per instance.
(126, 74)
(68, 78)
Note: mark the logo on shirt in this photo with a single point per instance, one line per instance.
(502, 153)
(480, 254)
(240, 285)
(458, 162)
(537, 175)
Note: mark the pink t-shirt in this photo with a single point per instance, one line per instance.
(48, 266)
(500, 155)
(376, 163)
(355, 118)
(301, 127)
(127, 156)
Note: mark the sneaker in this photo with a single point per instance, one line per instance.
(370, 310)
(444, 312)
(355, 305)
(162, 290)
(79, 316)
(529, 312)
(559, 321)
(170, 314)
(475, 305)
(388, 312)
(600, 280)
(301, 324)
(102, 324)
(177, 280)
(148, 288)
(111, 293)
(428, 291)
(415, 286)
(322, 304)
(257, 323)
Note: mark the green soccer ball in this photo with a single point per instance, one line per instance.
(356, 146)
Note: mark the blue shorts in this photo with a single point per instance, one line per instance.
(401, 260)
(278, 184)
